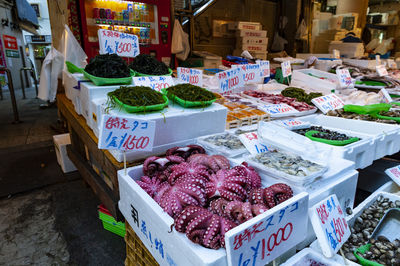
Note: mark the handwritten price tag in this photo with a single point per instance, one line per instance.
(391, 64)
(385, 96)
(394, 174)
(378, 60)
(276, 110)
(344, 78)
(286, 69)
(117, 133)
(251, 73)
(264, 68)
(328, 102)
(381, 70)
(230, 79)
(155, 82)
(251, 142)
(268, 235)
(190, 75)
(292, 124)
(330, 225)
(115, 42)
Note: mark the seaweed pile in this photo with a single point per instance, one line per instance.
(300, 94)
(146, 64)
(190, 93)
(108, 66)
(135, 96)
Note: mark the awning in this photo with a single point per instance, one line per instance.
(26, 14)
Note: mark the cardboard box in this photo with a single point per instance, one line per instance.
(252, 33)
(60, 144)
(251, 41)
(244, 25)
(258, 55)
(253, 47)
(210, 60)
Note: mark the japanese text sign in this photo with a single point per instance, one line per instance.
(251, 142)
(344, 78)
(330, 225)
(385, 96)
(286, 69)
(276, 110)
(381, 70)
(268, 235)
(394, 174)
(264, 68)
(328, 102)
(230, 79)
(10, 42)
(251, 73)
(115, 42)
(155, 82)
(292, 124)
(128, 134)
(190, 75)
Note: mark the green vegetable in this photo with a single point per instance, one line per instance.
(146, 64)
(135, 96)
(300, 94)
(190, 93)
(108, 66)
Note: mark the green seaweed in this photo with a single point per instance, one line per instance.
(135, 96)
(300, 94)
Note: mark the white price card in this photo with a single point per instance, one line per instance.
(328, 102)
(292, 124)
(190, 75)
(264, 68)
(378, 60)
(230, 79)
(155, 82)
(391, 64)
(251, 73)
(385, 96)
(330, 225)
(286, 69)
(115, 42)
(344, 77)
(277, 110)
(268, 235)
(336, 54)
(381, 70)
(127, 134)
(394, 174)
(252, 143)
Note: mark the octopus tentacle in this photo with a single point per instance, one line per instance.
(185, 152)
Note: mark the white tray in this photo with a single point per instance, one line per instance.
(221, 149)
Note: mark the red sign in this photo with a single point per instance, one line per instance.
(10, 42)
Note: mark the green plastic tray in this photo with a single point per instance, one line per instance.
(363, 261)
(110, 224)
(73, 68)
(367, 109)
(116, 230)
(188, 104)
(309, 134)
(138, 109)
(371, 83)
(137, 74)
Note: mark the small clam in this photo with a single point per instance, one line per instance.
(383, 239)
(397, 203)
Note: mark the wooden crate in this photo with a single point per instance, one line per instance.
(136, 253)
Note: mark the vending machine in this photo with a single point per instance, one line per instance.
(150, 20)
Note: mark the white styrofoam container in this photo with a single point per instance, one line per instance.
(60, 143)
(72, 84)
(326, 64)
(301, 258)
(386, 136)
(390, 187)
(347, 49)
(221, 149)
(302, 78)
(370, 64)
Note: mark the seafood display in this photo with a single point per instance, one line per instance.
(300, 94)
(146, 64)
(277, 99)
(204, 195)
(383, 251)
(349, 115)
(225, 140)
(284, 162)
(108, 66)
(323, 133)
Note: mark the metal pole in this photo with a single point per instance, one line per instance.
(12, 94)
(34, 79)
(22, 83)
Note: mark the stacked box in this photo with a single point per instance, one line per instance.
(250, 37)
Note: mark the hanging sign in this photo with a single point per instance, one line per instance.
(286, 69)
(268, 235)
(190, 75)
(230, 79)
(155, 82)
(264, 68)
(127, 134)
(10, 42)
(344, 78)
(381, 70)
(251, 142)
(328, 102)
(394, 174)
(292, 124)
(385, 96)
(115, 42)
(330, 225)
(276, 110)
(251, 73)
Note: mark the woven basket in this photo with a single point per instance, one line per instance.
(136, 253)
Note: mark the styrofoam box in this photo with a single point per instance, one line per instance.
(386, 136)
(244, 25)
(390, 187)
(71, 82)
(258, 48)
(370, 64)
(60, 143)
(347, 50)
(303, 257)
(305, 56)
(327, 64)
(302, 78)
(250, 40)
(252, 33)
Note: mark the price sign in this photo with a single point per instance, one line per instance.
(268, 235)
(328, 102)
(251, 73)
(292, 124)
(330, 225)
(264, 68)
(190, 75)
(385, 96)
(251, 142)
(115, 42)
(155, 82)
(394, 174)
(391, 64)
(381, 70)
(276, 110)
(230, 79)
(336, 54)
(286, 69)
(378, 60)
(127, 134)
(344, 78)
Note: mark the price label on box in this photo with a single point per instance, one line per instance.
(268, 235)
(190, 75)
(328, 102)
(381, 70)
(127, 134)
(394, 174)
(278, 109)
(385, 96)
(251, 73)
(264, 68)
(292, 124)
(115, 42)
(251, 142)
(230, 79)
(286, 69)
(155, 82)
(344, 78)
(330, 225)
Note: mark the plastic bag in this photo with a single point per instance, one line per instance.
(384, 47)
(180, 42)
(279, 43)
(302, 31)
(71, 49)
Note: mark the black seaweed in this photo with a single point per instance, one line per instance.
(146, 64)
(108, 66)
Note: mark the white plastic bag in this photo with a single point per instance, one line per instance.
(71, 49)
(51, 69)
(302, 31)
(180, 42)
(278, 43)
